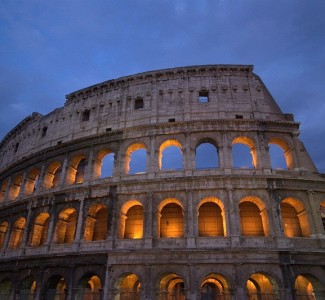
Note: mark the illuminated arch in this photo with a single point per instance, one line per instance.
(17, 233)
(294, 218)
(262, 286)
(166, 144)
(52, 175)
(15, 186)
(89, 287)
(56, 288)
(128, 287)
(170, 219)
(3, 233)
(248, 158)
(131, 220)
(308, 287)
(39, 230)
(104, 164)
(171, 286)
(206, 154)
(27, 288)
(31, 181)
(96, 225)
(211, 217)
(253, 217)
(287, 150)
(76, 169)
(66, 226)
(136, 147)
(214, 286)
(3, 189)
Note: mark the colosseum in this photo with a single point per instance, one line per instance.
(162, 185)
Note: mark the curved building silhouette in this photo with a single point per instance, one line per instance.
(183, 183)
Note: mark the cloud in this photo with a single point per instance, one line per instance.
(49, 49)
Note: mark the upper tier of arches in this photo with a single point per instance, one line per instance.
(150, 155)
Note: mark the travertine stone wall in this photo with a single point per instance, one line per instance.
(62, 225)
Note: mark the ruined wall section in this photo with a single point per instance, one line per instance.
(167, 95)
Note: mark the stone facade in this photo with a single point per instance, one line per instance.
(78, 220)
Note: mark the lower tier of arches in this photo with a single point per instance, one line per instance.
(166, 275)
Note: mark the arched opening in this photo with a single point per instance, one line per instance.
(52, 175)
(15, 187)
(104, 164)
(96, 223)
(206, 156)
(250, 219)
(171, 220)
(171, 287)
(170, 155)
(286, 152)
(66, 226)
(39, 230)
(3, 233)
(3, 189)
(27, 289)
(31, 182)
(308, 287)
(76, 169)
(244, 153)
(277, 157)
(17, 233)
(322, 213)
(128, 287)
(294, 218)
(214, 287)
(131, 220)
(56, 288)
(134, 223)
(5, 289)
(261, 286)
(89, 288)
(211, 218)
(136, 159)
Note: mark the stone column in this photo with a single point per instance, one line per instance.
(22, 185)
(148, 221)
(233, 214)
(80, 219)
(226, 153)
(189, 154)
(26, 231)
(89, 169)
(121, 228)
(107, 281)
(190, 241)
(40, 185)
(63, 171)
(315, 217)
(50, 231)
(152, 156)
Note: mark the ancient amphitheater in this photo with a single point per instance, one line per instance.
(162, 185)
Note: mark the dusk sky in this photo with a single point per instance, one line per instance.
(51, 48)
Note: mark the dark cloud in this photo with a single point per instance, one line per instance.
(51, 48)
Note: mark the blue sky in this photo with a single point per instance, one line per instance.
(51, 48)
